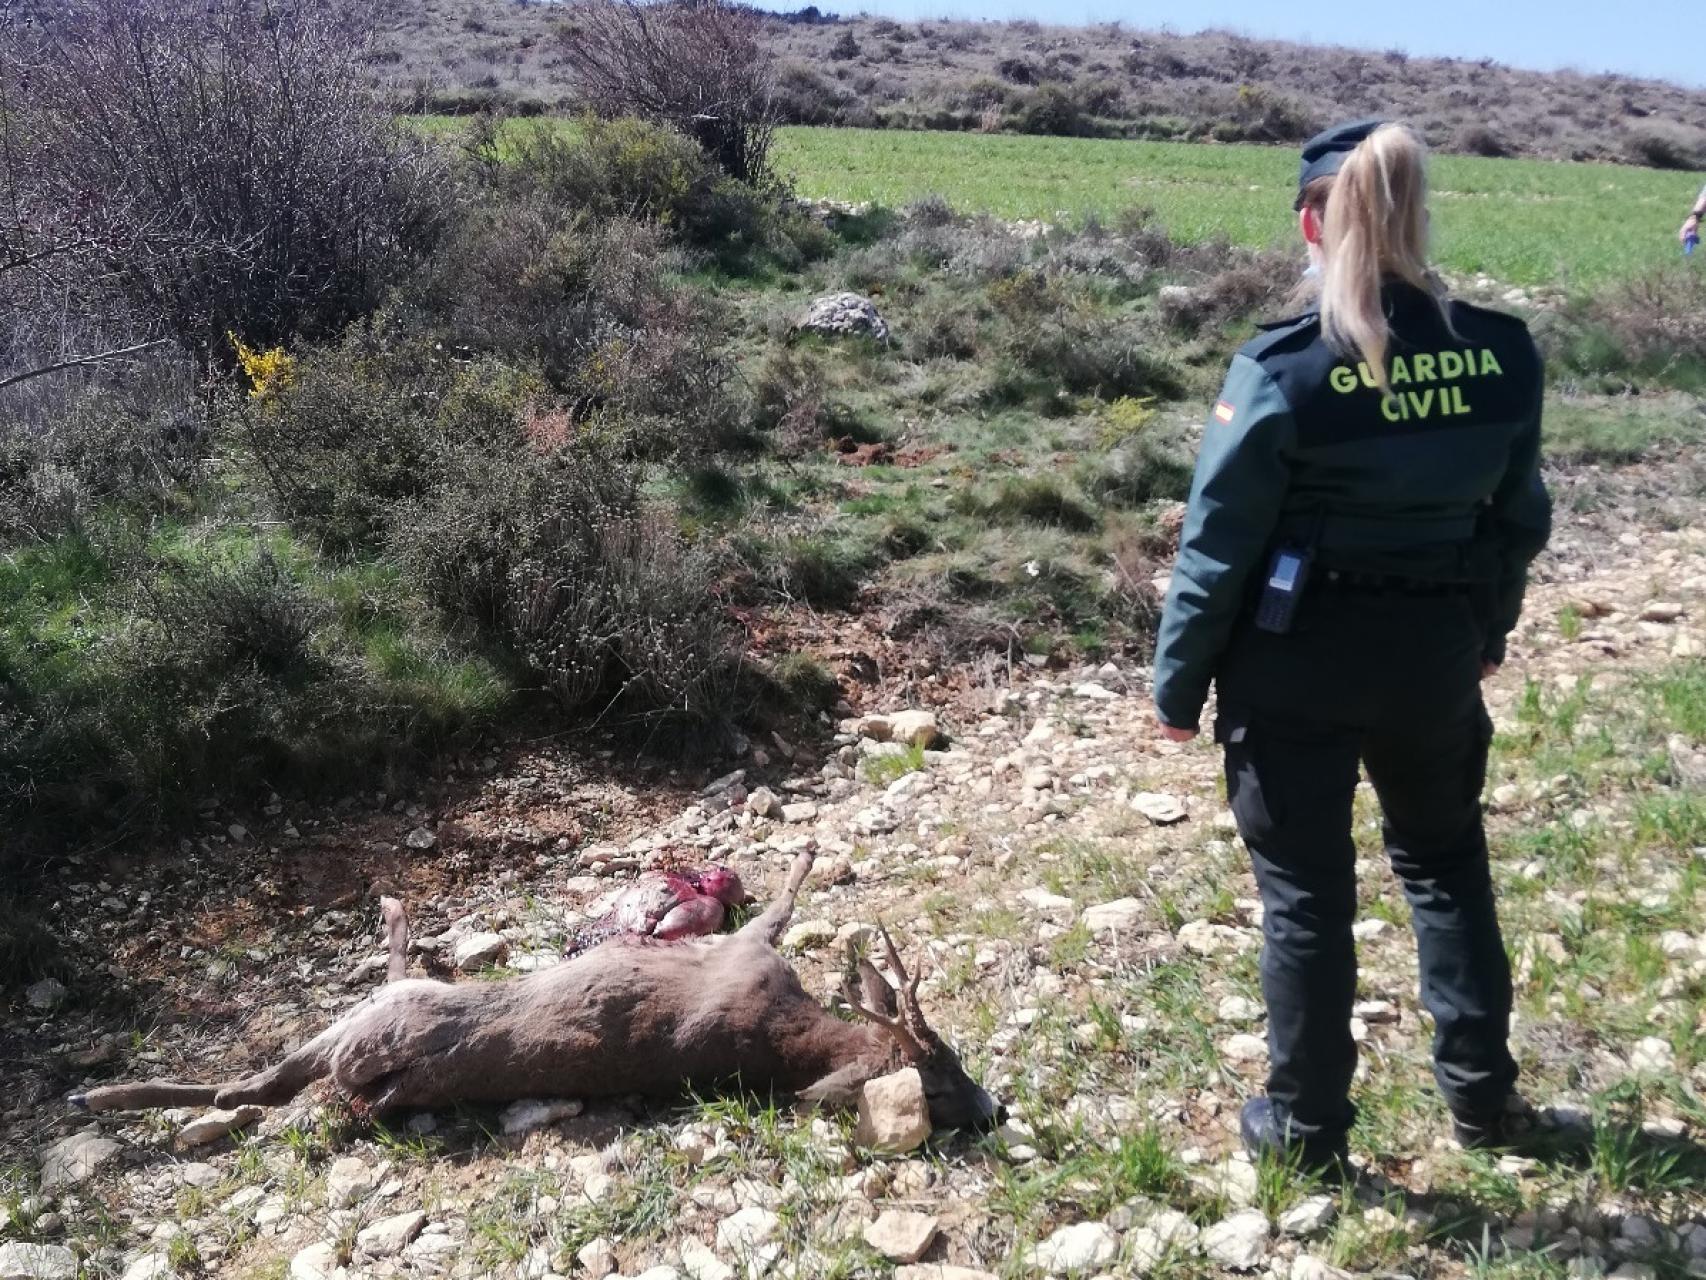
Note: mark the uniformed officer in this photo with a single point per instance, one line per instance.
(1366, 503)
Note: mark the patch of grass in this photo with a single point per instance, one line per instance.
(881, 770)
(1618, 430)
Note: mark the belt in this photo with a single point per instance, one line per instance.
(1390, 584)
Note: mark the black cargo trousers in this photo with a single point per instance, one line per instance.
(1390, 678)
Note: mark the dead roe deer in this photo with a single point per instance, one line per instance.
(633, 1016)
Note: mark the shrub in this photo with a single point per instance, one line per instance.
(587, 302)
(556, 559)
(1039, 499)
(1662, 145)
(354, 433)
(824, 568)
(1480, 140)
(132, 681)
(1052, 110)
(700, 67)
(222, 166)
(806, 681)
(1141, 472)
(136, 440)
(1645, 328)
(844, 47)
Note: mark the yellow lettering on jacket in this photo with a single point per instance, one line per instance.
(1418, 370)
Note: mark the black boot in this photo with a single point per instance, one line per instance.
(1265, 1133)
(1511, 1127)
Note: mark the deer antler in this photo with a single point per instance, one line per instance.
(916, 1039)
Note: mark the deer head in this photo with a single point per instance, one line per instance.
(956, 1100)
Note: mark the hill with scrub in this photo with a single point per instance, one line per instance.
(1110, 80)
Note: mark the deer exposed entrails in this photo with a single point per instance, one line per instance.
(633, 1016)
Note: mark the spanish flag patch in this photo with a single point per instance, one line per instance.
(1224, 411)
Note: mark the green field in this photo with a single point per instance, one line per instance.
(1520, 221)
(1527, 222)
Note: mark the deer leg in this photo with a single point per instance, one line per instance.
(282, 1081)
(396, 937)
(769, 924)
(140, 1094)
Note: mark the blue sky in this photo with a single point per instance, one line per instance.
(1662, 38)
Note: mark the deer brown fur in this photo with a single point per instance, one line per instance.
(633, 1016)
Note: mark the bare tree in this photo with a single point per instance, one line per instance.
(203, 167)
(699, 66)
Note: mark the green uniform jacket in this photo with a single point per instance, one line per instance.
(1440, 482)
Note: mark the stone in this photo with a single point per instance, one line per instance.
(1306, 1266)
(1078, 1249)
(762, 802)
(348, 1180)
(1040, 899)
(597, 1258)
(75, 1159)
(842, 315)
(893, 1114)
(1368, 930)
(198, 1173)
(798, 811)
(479, 950)
(390, 1236)
(1094, 692)
(1634, 1271)
(1308, 1217)
(808, 935)
(316, 1262)
(700, 1263)
(915, 729)
(941, 1271)
(1162, 810)
(1376, 1012)
(901, 1236)
(420, 838)
(1238, 1243)
(1206, 938)
(1239, 1010)
(1122, 915)
(150, 1266)
(535, 1113)
(45, 995)
(37, 1262)
(1244, 1048)
(1662, 611)
(214, 1125)
(746, 1230)
(1652, 1056)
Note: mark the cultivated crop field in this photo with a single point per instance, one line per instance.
(1521, 221)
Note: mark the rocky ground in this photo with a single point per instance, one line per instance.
(1087, 927)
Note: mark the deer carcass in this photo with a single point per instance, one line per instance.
(670, 901)
(632, 1016)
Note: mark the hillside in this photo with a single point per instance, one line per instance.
(1109, 79)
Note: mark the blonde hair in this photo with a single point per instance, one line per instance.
(1374, 227)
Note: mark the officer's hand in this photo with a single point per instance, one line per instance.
(1488, 668)
(1175, 735)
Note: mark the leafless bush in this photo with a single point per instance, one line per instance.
(699, 66)
(218, 164)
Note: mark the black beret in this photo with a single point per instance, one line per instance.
(1326, 151)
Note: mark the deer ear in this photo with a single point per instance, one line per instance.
(875, 989)
(837, 1089)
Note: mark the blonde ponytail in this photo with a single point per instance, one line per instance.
(1374, 229)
